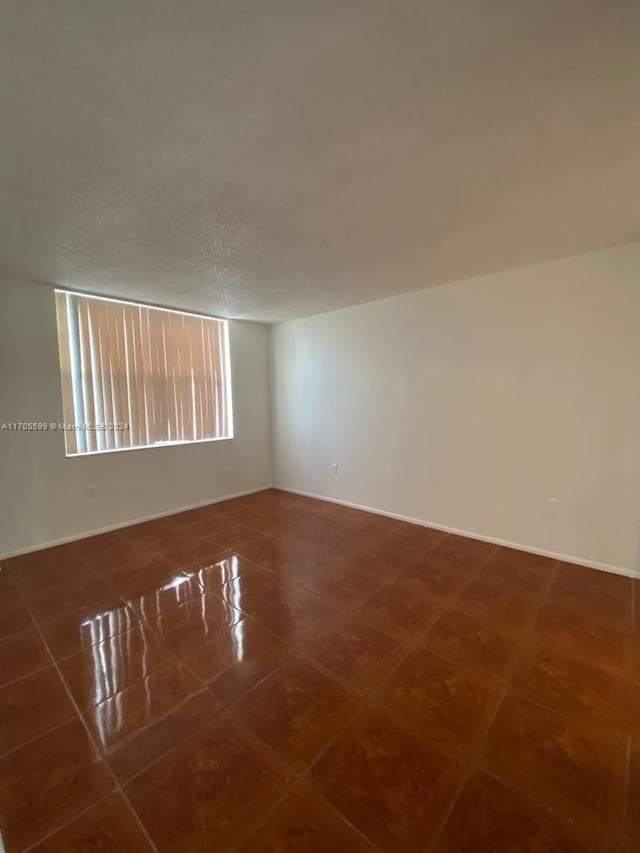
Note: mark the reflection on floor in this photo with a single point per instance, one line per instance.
(279, 673)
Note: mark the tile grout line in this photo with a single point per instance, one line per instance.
(439, 831)
(255, 827)
(478, 766)
(484, 737)
(565, 715)
(66, 657)
(219, 717)
(374, 701)
(627, 780)
(172, 748)
(627, 789)
(38, 736)
(375, 697)
(26, 675)
(305, 779)
(67, 823)
(529, 641)
(343, 818)
(567, 823)
(299, 779)
(511, 689)
(97, 752)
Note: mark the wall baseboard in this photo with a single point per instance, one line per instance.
(566, 558)
(76, 537)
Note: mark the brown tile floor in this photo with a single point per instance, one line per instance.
(275, 673)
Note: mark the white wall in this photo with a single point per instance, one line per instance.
(43, 494)
(468, 405)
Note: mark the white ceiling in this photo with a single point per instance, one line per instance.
(270, 159)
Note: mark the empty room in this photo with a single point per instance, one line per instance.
(320, 426)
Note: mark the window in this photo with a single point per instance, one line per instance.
(136, 376)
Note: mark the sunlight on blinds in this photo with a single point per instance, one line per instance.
(135, 376)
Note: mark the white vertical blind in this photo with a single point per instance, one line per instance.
(163, 373)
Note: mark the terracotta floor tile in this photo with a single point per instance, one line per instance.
(392, 786)
(299, 616)
(65, 598)
(524, 559)
(298, 564)
(635, 711)
(9, 591)
(136, 577)
(237, 659)
(604, 598)
(454, 544)
(489, 817)
(22, 654)
(582, 577)
(297, 710)
(342, 585)
(31, 706)
(100, 671)
(406, 545)
(497, 604)
(574, 768)
(220, 533)
(84, 628)
(304, 824)
(357, 652)
(380, 567)
(580, 637)
(435, 695)
(392, 609)
(195, 622)
(416, 533)
(633, 804)
(432, 577)
(459, 563)
(165, 597)
(193, 555)
(137, 725)
(253, 545)
(516, 577)
(14, 617)
(387, 554)
(254, 592)
(574, 687)
(207, 793)
(289, 613)
(475, 644)
(39, 572)
(109, 825)
(227, 567)
(47, 782)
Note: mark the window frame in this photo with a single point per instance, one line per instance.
(227, 379)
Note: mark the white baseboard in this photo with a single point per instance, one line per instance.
(86, 534)
(566, 558)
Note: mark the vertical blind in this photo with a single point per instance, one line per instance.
(136, 376)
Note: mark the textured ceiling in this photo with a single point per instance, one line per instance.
(270, 159)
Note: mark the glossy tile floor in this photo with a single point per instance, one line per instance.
(275, 673)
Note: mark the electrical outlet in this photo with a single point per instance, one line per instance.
(553, 506)
(90, 492)
(334, 468)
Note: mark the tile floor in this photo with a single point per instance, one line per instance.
(276, 673)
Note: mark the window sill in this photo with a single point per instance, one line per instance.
(157, 446)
